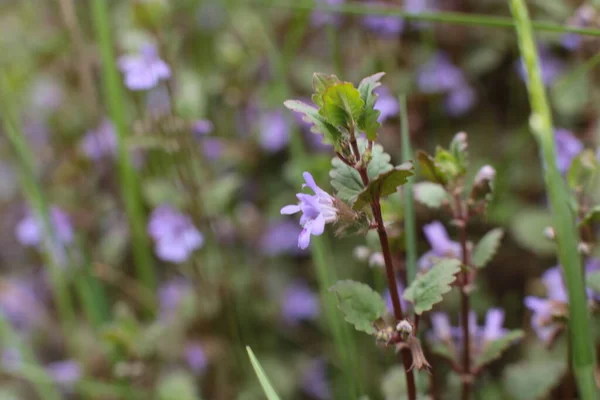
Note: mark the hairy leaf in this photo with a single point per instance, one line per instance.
(342, 105)
(495, 348)
(319, 124)
(369, 121)
(384, 185)
(487, 247)
(360, 304)
(431, 194)
(430, 169)
(262, 377)
(320, 83)
(427, 289)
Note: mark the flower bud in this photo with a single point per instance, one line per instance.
(362, 253)
(549, 233)
(483, 185)
(376, 260)
(404, 328)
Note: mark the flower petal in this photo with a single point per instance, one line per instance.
(318, 225)
(304, 238)
(291, 209)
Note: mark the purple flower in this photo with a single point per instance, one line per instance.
(460, 100)
(388, 298)
(584, 18)
(29, 230)
(493, 330)
(320, 18)
(314, 380)
(280, 237)
(441, 245)
(386, 26)
(213, 148)
(439, 75)
(19, 304)
(442, 330)
(143, 71)
(175, 236)
(172, 294)
(274, 131)
(317, 210)
(66, 373)
(195, 356)
(386, 103)
(202, 127)
(299, 303)
(101, 142)
(551, 66)
(567, 148)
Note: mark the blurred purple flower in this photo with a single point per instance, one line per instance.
(11, 358)
(101, 142)
(202, 127)
(172, 294)
(299, 303)
(420, 6)
(19, 304)
(441, 245)
(158, 101)
(195, 356)
(460, 100)
(439, 75)
(317, 210)
(551, 66)
(567, 148)
(388, 298)
(583, 18)
(280, 237)
(314, 380)
(46, 96)
(442, 330)
(493, 330)
(320, 18)
(175, 236)
(213, 148)
(66, 373)
(386, 103)
(29, 230)
(385, 26)
(274, 131)
(143, 71)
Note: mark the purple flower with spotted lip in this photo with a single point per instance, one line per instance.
(299, 303)
(175, 236)
(441, 245)
(274, 132)
(145, 70)
(101, 142)
(317, 210)
(280, 237)
(29, 230)
(195, 357)
(386, 104)
(567, 148)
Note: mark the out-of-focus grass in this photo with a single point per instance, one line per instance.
(567, 238)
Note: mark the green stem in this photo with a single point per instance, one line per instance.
(129, 185)
(583, 351)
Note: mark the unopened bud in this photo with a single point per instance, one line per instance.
(483, 185)
(385, 334)
(549, 233)
(460, 141)
(404, 328)
(362, 253)
(376, 260)
(584, 248)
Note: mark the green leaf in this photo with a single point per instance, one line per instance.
(495, 348)
(369, 121)
(430, 194)
(487, 247)
(384, 185)
(449, 166)
(591, 216)
(582, 170)
(427, 289)
(430, 169)
(320, 84)
(442, 349)
(178, 385)
(342, 105)
(534, 379)
(593, 281)
(346, 180)
(262, 377)
(360, 304)
(319, 124)
(528, 226)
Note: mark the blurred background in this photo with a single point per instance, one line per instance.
(145, 154)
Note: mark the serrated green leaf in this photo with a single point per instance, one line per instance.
(582, 170)
(448, 164)
(495, 348)
(429, 168)
(360, 304)
(591, 216)
(427, 289)
(262, 377)
(384, 184)
(319, 124)
(342, 105)
(347, 181)
(320, 83)
(430, 194)
(369, 121)
(593, 281)
(534, 379)
(487, 247)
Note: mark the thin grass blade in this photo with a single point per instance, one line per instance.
(262, 377)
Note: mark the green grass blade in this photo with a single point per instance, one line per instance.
(410, 219)
(114, 97)
(262, 377)
(455, 18)
(583, 352)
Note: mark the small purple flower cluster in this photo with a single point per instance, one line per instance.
(145, 70)
(174, 233)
